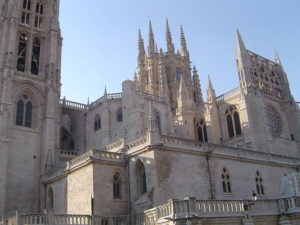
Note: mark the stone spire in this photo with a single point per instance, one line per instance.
(170, 44)
(184, 50)
(152, 46)
(184, 98)
(141, 48)
(211, 94)
(239, 42)
(197, 86)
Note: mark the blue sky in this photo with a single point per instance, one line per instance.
(100, 39)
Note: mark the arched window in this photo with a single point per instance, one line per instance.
(178, 74)
(202, 131)
(39, 11)
(158, 122)
(24, 111)
(226, 184)
(274, 121)
(117, 184)
(50, 199)
(21, 61)
(259, 184)
(35, 60)
(233, 122)
(25, 17)
(119, 115)
(97, 123)
(141, 177)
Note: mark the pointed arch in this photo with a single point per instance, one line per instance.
(260, 190)
(141, 177)
(117, 186)
(226, 181)
(233, 122)
(50, 198)
(202, 131)
(24, 110)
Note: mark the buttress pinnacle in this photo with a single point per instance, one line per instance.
(170, 44)
(184, 50)
(151, 47)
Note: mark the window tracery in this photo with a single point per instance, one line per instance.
(26, 11)
(21, 61)
(39, 11)
(226, 184)
(35, 61)
(24, 111)
(274, 121)
(259, 184)
(202, 131)
(233, 122)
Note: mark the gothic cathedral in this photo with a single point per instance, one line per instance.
(156, 144)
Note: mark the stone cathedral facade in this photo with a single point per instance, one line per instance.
(149, 149)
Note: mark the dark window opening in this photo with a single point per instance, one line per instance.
(237, 123)
(24, 111)
(35, 61)
(119, 116)
(117, 186)
(21, 61)
(230, 126)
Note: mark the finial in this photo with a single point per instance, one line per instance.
(239, 41)
(88, 100)
(151, 48)
(184, 50)
(170, 44)
(141, 48)
(195, 72)
(105, 91)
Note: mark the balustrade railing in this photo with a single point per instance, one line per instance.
(73, 105)
(173, 210)
(228, 94)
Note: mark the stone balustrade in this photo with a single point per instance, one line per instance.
(171, 211)
(228, 94)
(154, 97)
(105, 97)
(73, 105)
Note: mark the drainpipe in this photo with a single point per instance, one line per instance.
(209, 177)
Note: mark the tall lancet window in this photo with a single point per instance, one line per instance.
(259, 184)
(35, 60)
(39, 11)
(25, 17)
(24, 111)
(202, 131)
(233, 122)
(21, 61)
(117, 186)
(226, 184)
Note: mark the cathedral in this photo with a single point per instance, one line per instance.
(156, 153)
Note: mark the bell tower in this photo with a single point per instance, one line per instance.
(30, 61)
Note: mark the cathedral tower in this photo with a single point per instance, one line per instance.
(30, 58)
(270, 110)
(160, 73)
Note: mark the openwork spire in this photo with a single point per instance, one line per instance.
(151, 47)
(211, 94)
(184, 50)
(197, 86)
(141, 48)
(170, 44)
